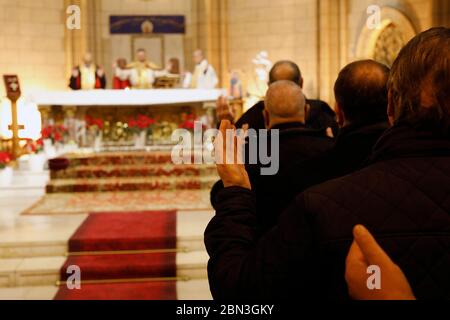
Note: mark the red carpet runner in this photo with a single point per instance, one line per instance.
(103, 247)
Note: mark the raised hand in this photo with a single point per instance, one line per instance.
(224, 111)
(229, 161)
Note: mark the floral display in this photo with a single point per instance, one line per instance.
(34, 146)
(94, 123)
(188, 122)
(140, 123)
(55, 133)
(5, 159)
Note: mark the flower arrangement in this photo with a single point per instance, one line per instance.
(140, 124)
(55, 133)
(34, 147)
(188, 122)
(94, 124)
(5, 159)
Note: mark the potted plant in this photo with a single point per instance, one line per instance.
(141, 127)
(52, 138)
(6, 172)
(95, 132)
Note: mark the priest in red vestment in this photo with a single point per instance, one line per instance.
(122, 75)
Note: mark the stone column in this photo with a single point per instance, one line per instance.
(212, 34)
(88, 38)
(46, 117)
(332, 33)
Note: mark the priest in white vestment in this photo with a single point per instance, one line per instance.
(204, 76)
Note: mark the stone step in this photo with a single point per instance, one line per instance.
(196, 289)
(48, 236)
(122, 158)
(45, 271)
(131, 184)
(118, 171)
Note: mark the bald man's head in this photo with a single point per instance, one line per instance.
(286, 70)
(284, 103)
(361, 91)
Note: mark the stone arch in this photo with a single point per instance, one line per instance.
(394, 22)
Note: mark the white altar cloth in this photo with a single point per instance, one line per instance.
(124, 97)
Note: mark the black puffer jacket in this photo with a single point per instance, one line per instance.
(297, 144)
(403, 197)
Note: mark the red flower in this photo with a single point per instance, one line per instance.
(142, 122)
(189, 122)
(57, 136)
(92, 122)
(5, 158)
(55, 133)
(132, 123)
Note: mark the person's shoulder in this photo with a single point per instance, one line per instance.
(253, 117)
(351, 186)
(321, 105)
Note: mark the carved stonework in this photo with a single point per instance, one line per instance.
(389, 44)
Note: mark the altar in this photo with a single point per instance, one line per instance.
(123, 118)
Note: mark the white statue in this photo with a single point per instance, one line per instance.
(263, 66)
(258, 84)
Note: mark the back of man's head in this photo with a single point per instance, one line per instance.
(361, 92)
(286, 70)
(284, 103)
(419, 85)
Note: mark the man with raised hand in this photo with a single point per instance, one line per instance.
(402, 196)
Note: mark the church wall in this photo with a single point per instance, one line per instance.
(33, 32)
(32, 43)
(287, 29)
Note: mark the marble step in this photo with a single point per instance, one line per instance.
(131, 184)
(48, 236)
(123, 158)
(116, 171)
(45, 271)
(196, 289)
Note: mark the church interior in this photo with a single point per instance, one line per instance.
(93, 93)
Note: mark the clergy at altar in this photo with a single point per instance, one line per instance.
(87, 76)
(205, 76)
(122, 75)
(142, 71)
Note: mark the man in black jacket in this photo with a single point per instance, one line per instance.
(403, 197)
(361, 94)
(300, 140)
(284, 114)
(361, 105)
